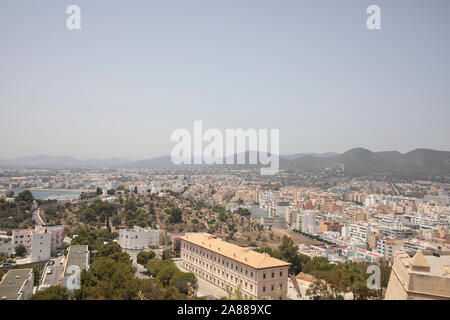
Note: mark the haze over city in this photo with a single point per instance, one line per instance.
(135, 72)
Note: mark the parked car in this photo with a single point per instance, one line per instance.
(51, 262)
(49, 271)
(6, 264)
(11, 261)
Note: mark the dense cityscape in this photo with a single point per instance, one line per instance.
(224, 159)
(298, 236)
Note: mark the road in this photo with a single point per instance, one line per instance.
(52, 278)
(37, 217)
(205, 288)
(141, 271)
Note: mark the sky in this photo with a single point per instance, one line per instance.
(138, 70)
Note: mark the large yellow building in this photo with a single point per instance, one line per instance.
(227, 266)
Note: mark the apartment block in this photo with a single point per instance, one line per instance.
(78, 259)
(17, 284)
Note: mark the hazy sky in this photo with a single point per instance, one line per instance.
(137, 70)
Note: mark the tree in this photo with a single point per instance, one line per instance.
(152, 208)
(267, 250)
(99, 191)
(25, 196)
(135, 189)
(52, 293)
(175, 215)
(243, 212)
(287, 251)
(167, 254)
(236, 294)
(20, 250)
(144, 256)
(111, 192)
(184, 281)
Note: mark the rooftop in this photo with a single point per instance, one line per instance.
(243, 255)
(12, 283)
(77, 256)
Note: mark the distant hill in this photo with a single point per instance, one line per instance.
(157, 163)
(356, 162)
(317, 155)
(42, 161)
(360, 161)
(60, 162)
(108, 162)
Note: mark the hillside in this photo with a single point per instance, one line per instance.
(360, 161)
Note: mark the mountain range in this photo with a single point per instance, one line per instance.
(354, 162)
(360, 162)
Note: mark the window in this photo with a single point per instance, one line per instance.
(264, 276)
(273, 274)
(264, 289)
(281, 273)
(273, 287)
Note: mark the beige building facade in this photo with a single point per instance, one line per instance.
(419, 277)
(229, 266)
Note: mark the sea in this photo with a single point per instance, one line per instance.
(51, 194)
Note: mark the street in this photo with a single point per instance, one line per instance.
(52, 278)
(141, 271)
(37, 217)
(205, 288)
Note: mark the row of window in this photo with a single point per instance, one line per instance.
(247, 286)
(272, 274)
(233, 267)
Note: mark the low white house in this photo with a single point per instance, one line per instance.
(140, 238)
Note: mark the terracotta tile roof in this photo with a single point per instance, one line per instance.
(243, 255)
(305, 277)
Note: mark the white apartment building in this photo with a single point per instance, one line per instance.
(304, 219)
(140, 238)
(40, 246)
(41, 242)
(17, 284)
(22, 237)
(226, 265)
(7, 248)
(78, 259)
(387, 247)
(359, 231)
(56, 232)
(395, 231)
(428, 221)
